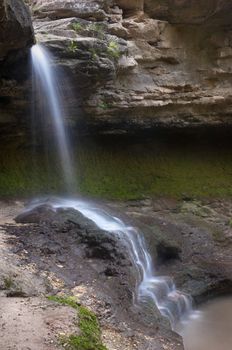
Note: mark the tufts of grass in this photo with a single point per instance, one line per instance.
(8, 282)
(90, 337)
(70, 301)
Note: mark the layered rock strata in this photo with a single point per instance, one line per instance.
(142, 64)
(136, 64)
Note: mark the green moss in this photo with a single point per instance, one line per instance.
(120, 172)
(23, 173)
(104, 105)
(131, 175)
(90, 337)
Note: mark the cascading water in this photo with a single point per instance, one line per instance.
(161, 291)
(172, 304)
(50, 100)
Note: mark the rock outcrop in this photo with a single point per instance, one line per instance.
(189, 11)
(141, 64)
(16, 36)
(16, 27)
(190, 240)
(86, 258)
(138, 64)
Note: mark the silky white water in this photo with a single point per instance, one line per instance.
(50, 100)
(161, 291)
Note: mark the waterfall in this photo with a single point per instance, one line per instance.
(171, 303)
(51, 105)
(161, 291)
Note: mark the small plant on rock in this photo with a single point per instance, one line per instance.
(97, 30)
(72, 47)
(8, 282)
(93, 53)
(103, 105)
(77, 26)
(113, 49)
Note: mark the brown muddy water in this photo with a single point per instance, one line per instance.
(211, 328)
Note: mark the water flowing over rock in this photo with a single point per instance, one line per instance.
(147, 63)
(139, 64)
(112, 239)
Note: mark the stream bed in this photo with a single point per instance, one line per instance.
(211, 329)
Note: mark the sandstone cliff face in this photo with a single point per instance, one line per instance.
(16, 36)
(143, 63)
(134, 64)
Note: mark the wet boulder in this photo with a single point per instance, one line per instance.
(41, 213)
(99, 244)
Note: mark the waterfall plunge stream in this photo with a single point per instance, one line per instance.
(46, 89)
(161, 291)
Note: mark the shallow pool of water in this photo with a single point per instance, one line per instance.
(211, 329)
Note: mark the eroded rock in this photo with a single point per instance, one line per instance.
(99, 243)
(16, 37)
(137, 64)
(146, 65)
(55, 9)
(188, 11)
(16, 27)
(190, 241)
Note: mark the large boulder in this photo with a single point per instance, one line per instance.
(100, 244)
(16, 27)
